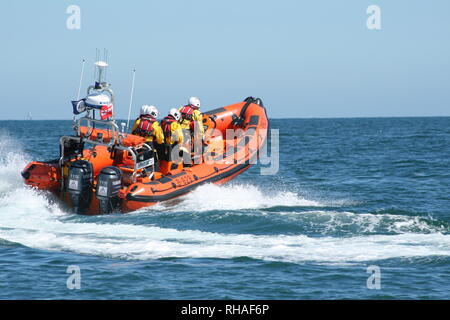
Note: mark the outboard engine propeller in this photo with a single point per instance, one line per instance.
(109, 182)
(79, 185)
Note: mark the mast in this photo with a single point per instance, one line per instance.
(131, 98)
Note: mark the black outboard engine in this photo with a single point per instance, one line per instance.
(79, 185)
(109, 182)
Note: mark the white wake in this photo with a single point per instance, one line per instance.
(29, 218)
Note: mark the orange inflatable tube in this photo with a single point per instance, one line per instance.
(234, 135)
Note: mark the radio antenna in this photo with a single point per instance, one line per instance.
(105, 56)
(97, 58)
(81, 79)
(131, 98)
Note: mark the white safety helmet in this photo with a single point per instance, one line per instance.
(144, 110)
(147, 110)
(175, 113)
(194, 101)
(152, 111)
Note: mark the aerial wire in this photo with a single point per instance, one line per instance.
(131, 98)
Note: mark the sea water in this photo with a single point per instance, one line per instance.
(351, 196)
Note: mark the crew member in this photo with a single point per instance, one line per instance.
(171, 128)
(173, 138)
(147, 126)
(192, 126)
(191, 116)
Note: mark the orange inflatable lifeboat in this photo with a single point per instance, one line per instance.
(116, 171)
(102, 169)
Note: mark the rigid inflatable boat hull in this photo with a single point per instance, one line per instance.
(248, 119)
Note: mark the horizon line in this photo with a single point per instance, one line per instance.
(274, 118)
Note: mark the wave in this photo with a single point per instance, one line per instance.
(332, 222)
(235, 196)
(30, 218)
(126, 241)
(12, 161)
(38, 224)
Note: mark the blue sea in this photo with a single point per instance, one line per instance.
(350, 196)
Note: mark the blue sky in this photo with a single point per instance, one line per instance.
(303, 58)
